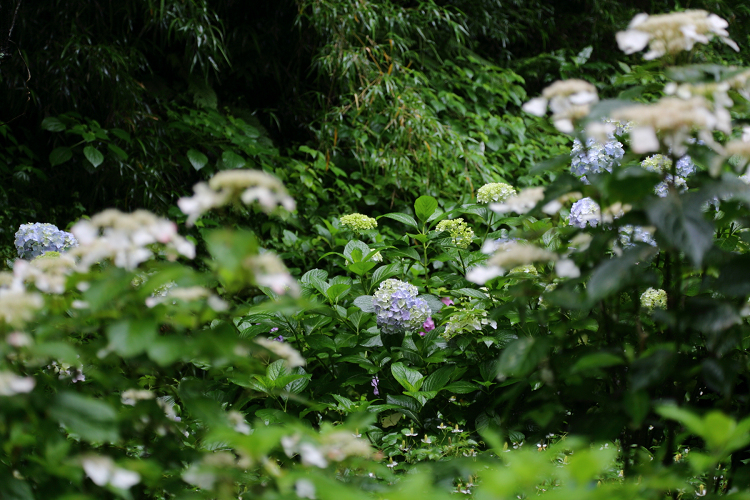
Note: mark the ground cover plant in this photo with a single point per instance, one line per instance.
(576, 329)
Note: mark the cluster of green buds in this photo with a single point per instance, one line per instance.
(359, 222)
(461, 233)
(654, 299)
(496, 192)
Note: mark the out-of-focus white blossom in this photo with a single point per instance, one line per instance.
(672, 33)
(654, 299)
(47, 273)
(125, 238)
(131, 396)
(229, 186)
(17, 306)
(269, 270)
(188, 294)
(283, 350)
(334, 446)
(672, 117)
(103, 472)
(508, 255)
(520, 203)
(11, 384)
(569, 100)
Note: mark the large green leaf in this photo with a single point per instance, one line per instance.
(197, 159)
(682, 223)
(91, 419)
(403, 218)
(410, 379)
(437, 379)
(131, 337)
(93, 155)
(60, 155)
(615, 274)
(424, 207)
(53, 124)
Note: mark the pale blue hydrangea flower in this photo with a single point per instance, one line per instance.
(630, 235)
(685, 166)
(397, 307)
(584, 212)
(661, 164)
(595, 157)
(662, 189)
(33, 240)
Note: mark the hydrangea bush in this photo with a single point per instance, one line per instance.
(33, 240)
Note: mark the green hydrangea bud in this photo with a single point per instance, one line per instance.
(657, 163)
(359, 222)
(461, 233)
(495, 191)
(654, 299)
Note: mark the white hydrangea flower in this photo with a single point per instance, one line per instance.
(358, 222)
(672, 33)
(17, 306)
(495, 192)
(269, 270)
(654, 299)
(131, 396)
(521, 202)
(125, 238)
(103, 472)
(283, 350)
(11, 384)
(48, 273)
(461, 234)
(227, 186)
(569, 100)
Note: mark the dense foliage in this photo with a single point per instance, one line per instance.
(399, 279)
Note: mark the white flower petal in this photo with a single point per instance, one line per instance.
(536, 106)
(643, 140)
(632, 41)
(566, 268)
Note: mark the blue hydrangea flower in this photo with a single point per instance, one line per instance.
(596, 157)
(630, 235)
(33, 240)
(397, 307)
(584, 212)
(685, 166)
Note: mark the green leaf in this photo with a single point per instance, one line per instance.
(53, 124)
(60, 155)
(383, 273)
(355, 245)
(232, 160)
(617, 273)
(682, 223)
(337, 292)
(197, 159)
(410, 379)
(403, 218)
(91, 419)
(652, 368)
(93, 155)
(434, 303)
(131, 337)
(424, 207)
(519, 358)
(461, 387)
(437, 380)
(596, 360)
(118, 151)
(364, 302)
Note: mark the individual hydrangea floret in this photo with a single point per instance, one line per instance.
(33, 240)
(630, 235)
(584, 212)
(398, 309)
(495, 191)
(595, 157)
(654, 298)
(672, 33)
(461, 233)
(358, 222)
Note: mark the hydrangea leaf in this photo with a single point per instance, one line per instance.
(60, 155)
(197, 159)
(680, 221)
(424, 207)
(93, 155)
(365, 303)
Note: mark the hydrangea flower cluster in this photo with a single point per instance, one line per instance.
(229, 186)
(495, 191)
(661, 164)
(569, 100)
(33, 240)
(358, 222)
(461, 233)
(672, 33)
(630, 235)
(595, 157)
(585, 212)
(465, 319)
(654, 299)
(398, 309)
(125, 238)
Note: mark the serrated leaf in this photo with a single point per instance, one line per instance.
(337, 292)
(93, 155)
(470, 292)
(58, 156)
(410, 379)
(197, 159)
(384, 272)
(434, 303)
(438, 379)
(317, 273)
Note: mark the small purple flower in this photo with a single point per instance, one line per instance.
(428, 326)
(374, 384)
(280, 338)
(274, 329)
(447, 301)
